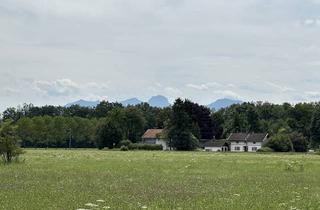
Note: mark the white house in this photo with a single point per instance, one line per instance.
(155, 136)
(246, 142)
(216, 146)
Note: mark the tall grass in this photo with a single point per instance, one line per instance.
(92, 179)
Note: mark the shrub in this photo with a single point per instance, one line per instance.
(145, 147)
(265, 149)
(125, 143)
(280, 143)
(124, 148)
(9, 145)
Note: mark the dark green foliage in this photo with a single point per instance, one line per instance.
(280, 143)
(78, 111)
(9, 144)
(265, 149)
(124, 148)
(203, 124)
(299, 142)
(56, 132)
(104, 107)
(189, 119)
(134, 124)
(181, 127)
(136, 146)
(125, 143)
(315, 128)
(218, 119)
(55, 126)
(10, 114)
(111, 130)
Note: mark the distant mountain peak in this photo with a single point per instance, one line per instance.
(159, 101)
(155, 101)
(223, 103)
(84, 103)
(131, 102)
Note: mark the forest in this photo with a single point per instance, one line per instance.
(290, 127)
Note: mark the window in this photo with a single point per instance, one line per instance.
(237, 148)
(254, 148)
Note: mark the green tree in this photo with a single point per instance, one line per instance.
(111, 130)
(315, 128)
(299, 142)
(134, 124)
(104, 107)
(280, 143)
(180, 128)
(9, 144)
(253, 119)
(25, 131)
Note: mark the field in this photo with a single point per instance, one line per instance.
(82, 179)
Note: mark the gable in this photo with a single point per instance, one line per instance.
(152, 134)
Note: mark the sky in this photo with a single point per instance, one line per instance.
(59, 51)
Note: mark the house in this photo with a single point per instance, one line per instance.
(155, 136)
(246, 142)
(216, 146)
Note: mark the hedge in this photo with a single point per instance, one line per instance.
(145, 147)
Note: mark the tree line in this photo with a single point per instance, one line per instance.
(298, 125)
(291, 127)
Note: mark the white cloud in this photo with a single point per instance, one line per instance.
(69, 88)
(309, 22)
(205, 86)
(227, 94)
(127, 48)
(313, 94)
(280, 88)
(61, 87)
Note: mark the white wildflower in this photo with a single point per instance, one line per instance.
(91, 205)
(144, 207)
(101, 201)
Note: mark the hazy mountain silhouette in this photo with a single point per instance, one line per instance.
(223, 103)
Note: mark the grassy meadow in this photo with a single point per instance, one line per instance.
(92, 179)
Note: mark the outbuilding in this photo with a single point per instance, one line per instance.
(217, 146)
(155, 136)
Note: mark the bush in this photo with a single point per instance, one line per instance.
(125, 143)
(124, 148)
(9, 145)
(145, 147)
(280, 143)
(265, 149)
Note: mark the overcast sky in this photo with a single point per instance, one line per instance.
(58, 51)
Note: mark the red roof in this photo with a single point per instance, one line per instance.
(152, 133)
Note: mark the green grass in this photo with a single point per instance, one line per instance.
(62, 179)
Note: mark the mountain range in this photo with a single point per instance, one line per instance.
(223, 103)
(157, 101)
